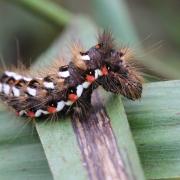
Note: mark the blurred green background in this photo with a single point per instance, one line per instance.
(150, 27)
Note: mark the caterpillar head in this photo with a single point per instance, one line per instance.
(120, 77)
(117, 74)
(95, 56)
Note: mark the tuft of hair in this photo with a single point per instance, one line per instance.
(126, 79)
(130, 86)
(126, 54)
(132, 82)
(106, 40)
(50, 70)
(76, 49)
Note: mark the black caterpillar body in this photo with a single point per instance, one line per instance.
(70, 85)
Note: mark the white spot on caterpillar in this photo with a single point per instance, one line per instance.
(99, 72)
(21, 113)
(85, 58)
(10, 74)
(64, 74)
(39, 78)
(39, 112)
(27, 79)
(14, 75)
(86, 84)
(49, 85)
(6, 89)
(17, 77)
(79, 90)
(68, 103)
(96, 73)
(1, 87)
(16, 91)
(60, 105)
(31, 91)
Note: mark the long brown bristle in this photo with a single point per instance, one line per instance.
(76, 49)
(107, 40)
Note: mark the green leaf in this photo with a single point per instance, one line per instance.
(61, 149)
(21, 154)
(117, 19)
(123, 134)
(51, 12)
(155, 123)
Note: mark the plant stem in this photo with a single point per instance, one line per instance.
(48, 10)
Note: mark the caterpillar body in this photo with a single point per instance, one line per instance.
(68, 86)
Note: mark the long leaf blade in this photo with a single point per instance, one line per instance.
(155, 124)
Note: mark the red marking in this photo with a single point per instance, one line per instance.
(72, 97)
(104, 71)
(90, 78)
(51, 109)
(31, 114)
(97, 46)
(17, 113)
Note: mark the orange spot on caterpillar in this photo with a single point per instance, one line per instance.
(104, 71)
(31, 114)
(90, 78)
(97, 46)
(51, 109)
(17, 113)
(72, 97)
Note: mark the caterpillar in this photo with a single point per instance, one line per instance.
(65, 87)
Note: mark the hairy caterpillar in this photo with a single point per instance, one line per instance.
(66, 86)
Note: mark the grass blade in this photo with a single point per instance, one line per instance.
(21, 154)
(155, 123)
(46, 9)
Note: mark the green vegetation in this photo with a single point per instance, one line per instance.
(51, 151)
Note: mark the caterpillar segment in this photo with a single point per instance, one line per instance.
(68, 86)
(27, 97)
